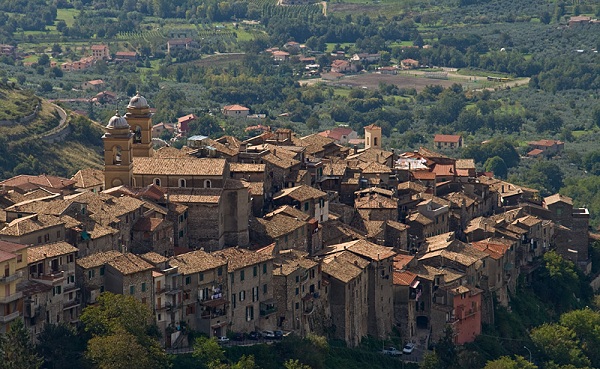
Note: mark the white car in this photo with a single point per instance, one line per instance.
(222, 340)
(408, 348)
(392, 351)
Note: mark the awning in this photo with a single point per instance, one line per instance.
(415, 284)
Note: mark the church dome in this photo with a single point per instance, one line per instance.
(117, 122)
(138, 102)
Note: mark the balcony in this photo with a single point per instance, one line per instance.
(53, 277)
(10, 298)
(9, 317)
(213, 314)
(11, 278)
(267, 308)
(171, 290)
(71, 304)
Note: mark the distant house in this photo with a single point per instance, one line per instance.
(158, 129)
(183, 122)
(95, 85)
(100, 52)
(366, 58)
(447, 141)
(342, 66)
(104, 97)
(281, 55)
(388, 70)
(409, 64)
(341, 135)
(180, 43)
(7, 50)
(126, 56)
(579, 20)
(292, 46)
(536, 153)
(236, 111)
(81, 64)
(548, 148)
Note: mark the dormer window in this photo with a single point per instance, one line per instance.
(182, 182)
(207, 183)
(157, 181)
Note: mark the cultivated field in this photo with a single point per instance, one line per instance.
(372, 81)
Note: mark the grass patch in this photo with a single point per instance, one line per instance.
(67, 15)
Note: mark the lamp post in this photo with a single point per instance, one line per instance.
(528, 350)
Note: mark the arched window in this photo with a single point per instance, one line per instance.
(207, 183)
(117, 155)
(137, 137)
(182, 182)
(374, 141)
(157, 181)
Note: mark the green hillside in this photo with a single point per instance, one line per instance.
(23, 148)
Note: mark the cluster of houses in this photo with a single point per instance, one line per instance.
(277, 232)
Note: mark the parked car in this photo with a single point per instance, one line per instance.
(392, 351)
(254, 335)
(237, 336)
(270, 335)
(278, 334)
(222, 340)
(408, 348)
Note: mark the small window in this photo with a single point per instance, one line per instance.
(102, 270)
(143, 286)
(306, 206)
(220, 271)
(201, 277)
(57, 234)
(265, 268)
(91, 273)
(297, 291)
(254, 271)
(242, 275)
(188, 280)
(265, 289)
(207, 183)
(157, 181)
(182, 182)
(131, 289)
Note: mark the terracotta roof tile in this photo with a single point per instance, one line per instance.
(98, 259)
(196, 262)
(300, 193)
(130, 264)
(179, 166)
(38, 253)
(405, 278)
(89, 177)
(240, 258)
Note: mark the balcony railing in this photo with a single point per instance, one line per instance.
(267, 311)
(10, 298)
(212, 315)
(12, 277)
(48, 277)
(9, 317)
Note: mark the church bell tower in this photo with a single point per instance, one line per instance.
(139, 119)
(118, 158)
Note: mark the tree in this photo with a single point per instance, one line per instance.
(46, 86)
(118, 351)
(61, 346)
(43, 60)
(497, 166)
(596, 116)
(116, 316)
(295, 364)
(16, 349)
(430, 361)
(506, 362)
(446, 350)
(560, 344)
(585, 323)
(546, 176)
(208, 352)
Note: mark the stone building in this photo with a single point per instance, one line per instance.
(250, 287)
(204, 283)
(129, 274)
(51, 286)
(13, 259)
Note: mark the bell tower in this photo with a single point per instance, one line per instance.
(372, 136)
(139, 119)
(118, 148)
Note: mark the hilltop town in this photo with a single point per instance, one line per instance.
(303, 235)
